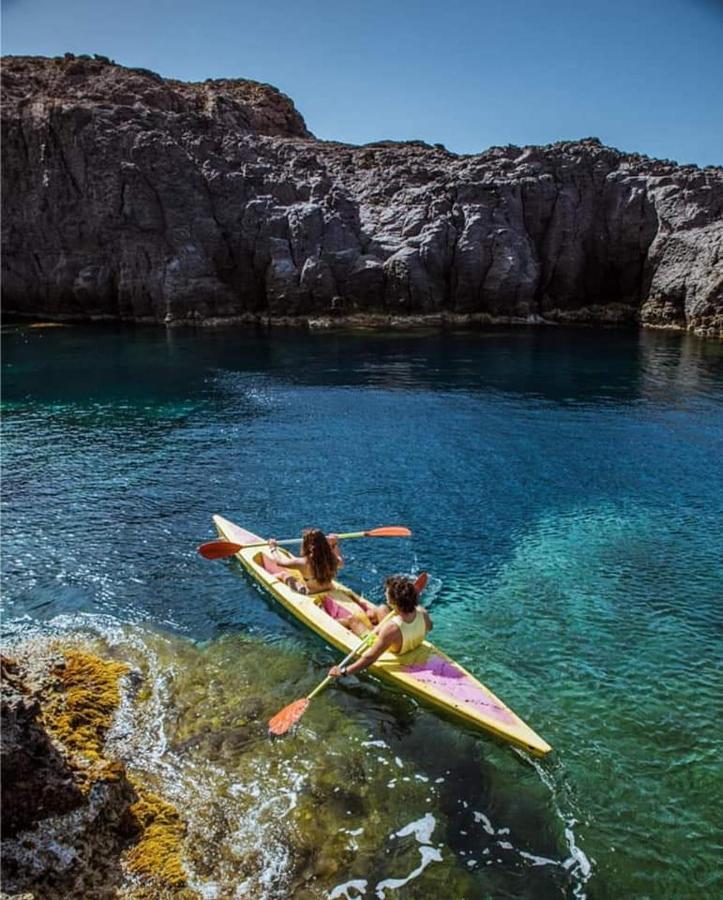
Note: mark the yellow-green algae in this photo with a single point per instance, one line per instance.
(157, 854)
(78, 710)
(79, 713)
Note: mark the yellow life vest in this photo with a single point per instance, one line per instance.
(413, 633)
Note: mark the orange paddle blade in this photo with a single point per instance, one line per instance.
(389, 531)
(421, 582)
(218, 549)
(288, 716)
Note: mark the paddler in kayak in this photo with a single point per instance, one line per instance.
(403, 632)
(319, 562)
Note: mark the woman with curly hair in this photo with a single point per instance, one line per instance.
(319, 562)
(403, 632)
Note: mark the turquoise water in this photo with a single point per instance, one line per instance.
(564, 489)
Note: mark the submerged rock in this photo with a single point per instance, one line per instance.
(130, 196)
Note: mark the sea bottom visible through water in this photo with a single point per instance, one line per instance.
(564, 492)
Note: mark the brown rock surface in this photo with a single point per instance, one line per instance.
(37, 781)
(129, 196)
(73, 823)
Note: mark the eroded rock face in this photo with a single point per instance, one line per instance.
(37, 781)
(64, 827)
(129, 196)
(74, 823)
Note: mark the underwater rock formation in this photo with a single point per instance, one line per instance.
(133, 197)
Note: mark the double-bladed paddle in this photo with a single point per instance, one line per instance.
(291, 714)
(222, 549)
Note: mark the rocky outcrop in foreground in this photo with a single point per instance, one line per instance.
(129, 196)
(74, 824)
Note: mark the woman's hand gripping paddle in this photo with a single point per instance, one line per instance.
(291, 714)
(222, 549)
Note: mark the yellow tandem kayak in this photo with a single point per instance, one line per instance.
(425, 672)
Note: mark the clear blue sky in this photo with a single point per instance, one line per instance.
(644, 75)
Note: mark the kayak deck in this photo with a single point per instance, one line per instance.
(425, 672)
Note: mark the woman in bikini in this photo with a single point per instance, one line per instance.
(403, 632)
(319, 562)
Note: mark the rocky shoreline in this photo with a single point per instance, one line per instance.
(137, 766)
(129, 197)
(610, 315)
(74, 822)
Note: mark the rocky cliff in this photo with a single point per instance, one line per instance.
(130, 196)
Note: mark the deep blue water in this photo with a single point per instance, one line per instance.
(564, 489)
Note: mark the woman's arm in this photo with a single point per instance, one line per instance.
(386, 638)
(288, 562)
(334, 544)
(295, 562)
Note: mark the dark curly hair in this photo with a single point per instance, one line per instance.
(322, 559)
(402, 593)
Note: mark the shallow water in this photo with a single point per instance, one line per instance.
(564, 488)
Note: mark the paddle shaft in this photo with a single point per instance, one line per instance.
(365, 641)
(289, 542)
(221, 549)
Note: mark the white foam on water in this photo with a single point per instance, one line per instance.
(422, 829)
(536, 860)
(577, 857)
(254, 834)
(267, 799)
(138, 733)
(577, 863)
(382, 744)
(342, 890)
(486, 824)
(208, 890)
(428, 854)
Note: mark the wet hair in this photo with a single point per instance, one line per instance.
(323, 561)
(402, 593)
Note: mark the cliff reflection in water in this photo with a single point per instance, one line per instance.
(555, 364)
